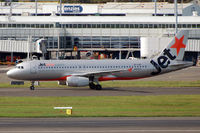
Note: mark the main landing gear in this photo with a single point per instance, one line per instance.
(32, 87)
(94, 86)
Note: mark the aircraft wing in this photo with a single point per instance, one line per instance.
(101, 73)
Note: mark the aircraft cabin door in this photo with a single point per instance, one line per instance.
(33, 68)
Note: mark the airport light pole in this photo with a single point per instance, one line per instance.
(10, 14)
(60, 7)
(28, 49)
(176, 16)
(155, 6)
(9, 19)
(36, 6)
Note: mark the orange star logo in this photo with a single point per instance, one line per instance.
(178, 44)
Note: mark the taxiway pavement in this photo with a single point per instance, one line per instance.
(100, 125)
(135, 91)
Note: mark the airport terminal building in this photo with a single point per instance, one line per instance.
(117, 30)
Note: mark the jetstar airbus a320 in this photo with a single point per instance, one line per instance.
(89, 72)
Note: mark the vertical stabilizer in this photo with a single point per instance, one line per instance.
(177, 46)
(172, 54)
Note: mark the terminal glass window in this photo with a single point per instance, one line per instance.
(28, 25)
(114, 39)
(98, 25)
(117, 26)
(121, 25)
(37, 26)
(89, 26)
(84, 26)
(75, 26)
(184, 26)
(41, 25)
(115, 45)
(18, 25)
(93, 25)
(194, 26)
(103, 26)
(87, 38)
(163, 25)
(132, 26)
(150, 25)
(46, 25)
(79, 25)
(112, 25)
(106, 44)
(32, 25)
(107, 25)
(9, 25)
(127, 26)
(189, 25)
(100, 42)
(96, 38)
(145, 25)
(23, 26)
(105, 38)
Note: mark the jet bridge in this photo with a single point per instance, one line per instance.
(25, 46)
(18, 46)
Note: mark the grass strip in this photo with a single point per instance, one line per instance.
(102, 106)
(116, 84)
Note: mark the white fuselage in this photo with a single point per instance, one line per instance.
(37, 70)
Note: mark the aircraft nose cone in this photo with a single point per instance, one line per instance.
(10, 74)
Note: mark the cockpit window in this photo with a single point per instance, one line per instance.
(19, 67)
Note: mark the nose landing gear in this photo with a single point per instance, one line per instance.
(32, 87)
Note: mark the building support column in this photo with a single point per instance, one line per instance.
(79, 55)
(155, 7)
(11, 57)
(57, 53)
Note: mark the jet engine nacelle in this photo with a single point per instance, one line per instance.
(75, 81)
